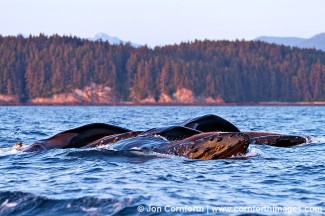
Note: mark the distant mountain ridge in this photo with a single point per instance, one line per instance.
(111, 40)
(317, 41)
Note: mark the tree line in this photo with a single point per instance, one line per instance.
(238, 71)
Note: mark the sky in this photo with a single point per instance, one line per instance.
(160, 22)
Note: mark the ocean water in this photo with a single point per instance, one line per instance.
(266, 181)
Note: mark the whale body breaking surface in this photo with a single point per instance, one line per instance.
(207, 137)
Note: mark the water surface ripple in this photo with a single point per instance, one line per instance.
(104, 182)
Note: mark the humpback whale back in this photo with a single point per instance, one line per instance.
(209, 123)
(172, 133)
(77, 137)
(279, 140)
(109, 140)
(91, 132)
(205, 137)
(204, 146)
(207, 146)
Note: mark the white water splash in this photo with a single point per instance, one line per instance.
(138, 151)
(6, 204)
(91, 210)
(157, 136)
(8, 151)
(313, 139)
(253, 152)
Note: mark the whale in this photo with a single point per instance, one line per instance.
(206, 137)
(76, 137)
(208, 146)
(203, 146)
(111, 139)
(174, 140)
(172, 133)
(99, 134)
(276, 139)
(210, 123)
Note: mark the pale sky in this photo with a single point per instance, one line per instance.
(159, 22)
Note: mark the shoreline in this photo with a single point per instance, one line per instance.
(318, 103)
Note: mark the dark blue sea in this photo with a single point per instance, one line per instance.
(266, 181)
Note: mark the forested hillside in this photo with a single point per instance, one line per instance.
(240, 71)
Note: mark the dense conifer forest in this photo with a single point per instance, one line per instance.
(238, 71)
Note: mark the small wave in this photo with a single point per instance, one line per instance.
(34, 132)
(113, 156)
(97, 152)
(100, 152)
(21, 203)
